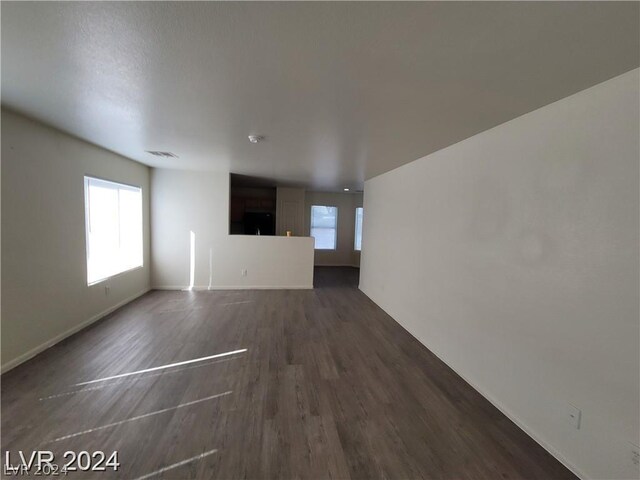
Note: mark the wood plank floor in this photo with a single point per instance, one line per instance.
(329, 387)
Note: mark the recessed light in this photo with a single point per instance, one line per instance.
(346, 189)
(255, 138)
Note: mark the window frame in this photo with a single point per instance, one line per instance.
(355, 229)
(87, 224)
(335, 228)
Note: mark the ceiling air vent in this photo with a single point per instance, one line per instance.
(162, 154)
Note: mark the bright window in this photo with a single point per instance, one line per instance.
(324, 226)
(357, 244)
(113, 221)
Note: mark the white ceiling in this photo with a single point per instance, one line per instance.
(341, 91)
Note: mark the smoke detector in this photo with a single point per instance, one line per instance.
(255, 138)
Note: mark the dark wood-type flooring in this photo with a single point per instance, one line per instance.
(329, 387)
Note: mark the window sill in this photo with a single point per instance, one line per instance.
(102, 280)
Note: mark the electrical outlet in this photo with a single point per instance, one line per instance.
(243, 272)
(107, 289)
(635, 455)
(574, 416)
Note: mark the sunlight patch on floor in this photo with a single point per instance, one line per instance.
(139, 417)
(170, 365)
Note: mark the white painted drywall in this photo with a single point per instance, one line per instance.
(513, 255)
(198, 202)
(342, 90)
(344, 254)
(44, 270)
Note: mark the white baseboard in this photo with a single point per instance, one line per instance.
(510, 415)
(237, 287)
(58, 338)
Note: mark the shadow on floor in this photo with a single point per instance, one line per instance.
(327, 277)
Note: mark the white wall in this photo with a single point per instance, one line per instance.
(184, 202)
(44, 270)
(513, 256)
(344, 254)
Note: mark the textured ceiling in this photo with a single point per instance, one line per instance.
(341, 91)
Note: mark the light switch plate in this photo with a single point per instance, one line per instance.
(574, 416)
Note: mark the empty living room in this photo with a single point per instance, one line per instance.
(320, 240)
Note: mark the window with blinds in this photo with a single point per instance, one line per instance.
(324, 226)
(113, 221)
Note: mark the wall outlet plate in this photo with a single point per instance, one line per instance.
(574, 416)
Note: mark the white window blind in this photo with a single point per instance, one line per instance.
(358, 237)
(113, 221)
(324, 226)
